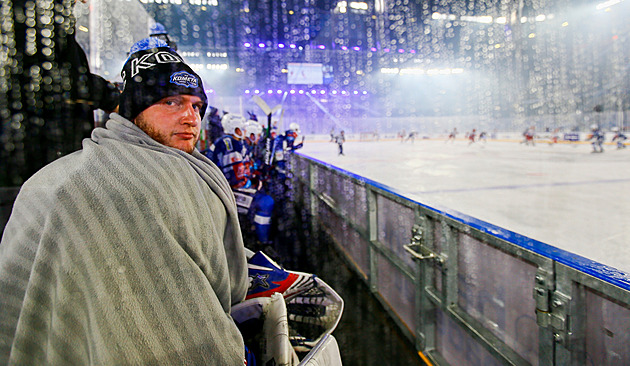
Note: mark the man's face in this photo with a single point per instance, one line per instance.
(174, 121)
(238, 134)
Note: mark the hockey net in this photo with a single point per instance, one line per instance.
(368, 136)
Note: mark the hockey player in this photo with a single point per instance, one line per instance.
(598, 138)
(402, 134)
(483, 137)
(291, 135)
(262, 210)
(472, 136)
(285, 144)
(554, 137)
(340, 139)
(254, 148)
(528, 136)
(412, 136)
(230, 154)
(212, 122)
(619, 137)
(452, 136)
(253, 132)
(274, 130)
(228, 151)
(274, 164)
(255, 208)
(211, 130)
(271, 172)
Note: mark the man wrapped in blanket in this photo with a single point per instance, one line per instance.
(128, 251)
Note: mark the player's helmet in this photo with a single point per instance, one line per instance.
(293, 131)
(594, 127)
(294, 127)
(254, 127)
(233, 122)
(615, 129)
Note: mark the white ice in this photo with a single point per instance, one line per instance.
(562, 195)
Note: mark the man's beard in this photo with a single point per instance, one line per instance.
(159, 136)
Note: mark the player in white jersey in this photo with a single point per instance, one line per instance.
(598, 138)
(619, 137)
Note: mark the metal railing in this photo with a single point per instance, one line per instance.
(465, 291)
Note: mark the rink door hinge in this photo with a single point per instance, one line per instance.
(417, 248)
(552, 307)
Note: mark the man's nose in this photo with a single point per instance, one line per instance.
(191, 115)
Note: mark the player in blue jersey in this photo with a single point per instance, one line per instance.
(412, 136)
(291, 136)
(279, 188)
(234, 155)
(598, 138)
(619, 137)
(229, 152)
(285, 144)
(255, 153)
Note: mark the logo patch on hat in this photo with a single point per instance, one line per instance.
(184, 79)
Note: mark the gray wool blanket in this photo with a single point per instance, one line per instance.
(126, 252)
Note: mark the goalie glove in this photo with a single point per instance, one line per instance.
(267, 277)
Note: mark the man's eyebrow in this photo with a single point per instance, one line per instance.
(172, 97)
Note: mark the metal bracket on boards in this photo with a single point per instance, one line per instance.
(418, 250)
(552, 307)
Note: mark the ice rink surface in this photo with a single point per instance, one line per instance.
(562, 194)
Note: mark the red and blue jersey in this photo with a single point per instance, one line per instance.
(229, 154)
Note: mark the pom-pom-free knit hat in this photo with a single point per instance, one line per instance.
(152, 72)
